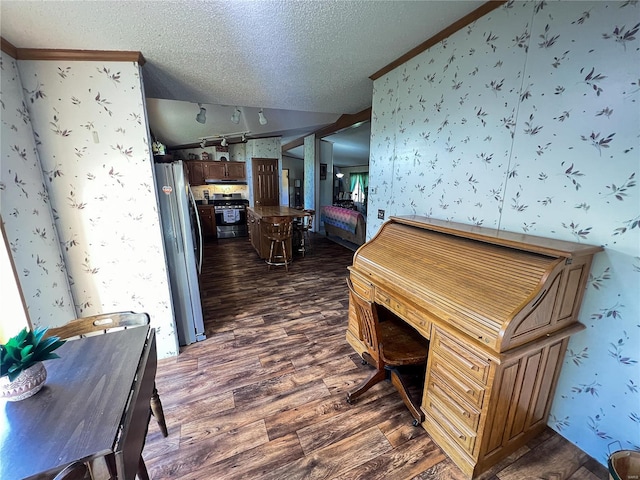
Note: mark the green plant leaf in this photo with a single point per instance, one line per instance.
(39, 333)
(26, 352)
(50, 356)
(25, 349)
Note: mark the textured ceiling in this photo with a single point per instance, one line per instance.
(308, 56)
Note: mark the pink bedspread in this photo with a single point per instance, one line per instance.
(341, 217)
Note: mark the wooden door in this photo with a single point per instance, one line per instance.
(265, 182)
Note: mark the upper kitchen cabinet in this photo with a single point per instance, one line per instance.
(196, 172)
(200, 172)
(227, 171)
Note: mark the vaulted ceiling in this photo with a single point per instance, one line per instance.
(304, 62)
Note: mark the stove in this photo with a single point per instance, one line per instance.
(227, 202)
(231, 215)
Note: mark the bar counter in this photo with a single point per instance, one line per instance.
(256, 230)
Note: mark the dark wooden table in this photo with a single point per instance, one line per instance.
(95, 403)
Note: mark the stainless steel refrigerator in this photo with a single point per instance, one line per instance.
(183, 248)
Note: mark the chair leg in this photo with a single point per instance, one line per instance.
(376, 377)
(142, 473)
(307, 241)
(158, 412)
(401, 386)
(270, 256)
(284, 256)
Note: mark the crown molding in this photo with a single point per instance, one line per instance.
(72, 55)
(479, 12)
(345, 121)
(8, 48)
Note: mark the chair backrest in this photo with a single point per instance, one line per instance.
(73, 471)
(368, 326)
(308, 219)
(98, 324)
(278, 228)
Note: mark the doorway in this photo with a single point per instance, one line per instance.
(285, 188)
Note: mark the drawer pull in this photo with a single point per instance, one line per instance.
(465, 388)
(451, 427)
(461, 410)
(467, 363)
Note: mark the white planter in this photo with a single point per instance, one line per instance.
(28, 383)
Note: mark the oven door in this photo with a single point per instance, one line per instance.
(231, 222)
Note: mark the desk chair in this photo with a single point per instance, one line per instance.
(390, 345)
(278, 231)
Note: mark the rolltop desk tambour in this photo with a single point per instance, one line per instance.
(498, 308)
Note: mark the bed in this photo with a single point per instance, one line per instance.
(344, 223)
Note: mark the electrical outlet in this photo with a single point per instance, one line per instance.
(380, 214)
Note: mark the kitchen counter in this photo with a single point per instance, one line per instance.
(257, 232)
(276, 211)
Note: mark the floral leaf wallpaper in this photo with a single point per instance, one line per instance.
(88, 121)
(527, 120)
(26, 211)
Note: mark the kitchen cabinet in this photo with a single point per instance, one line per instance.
(236, 170)
(196, 173)
(227, 171)
(200, 171)
(207, 221)
(253, 226)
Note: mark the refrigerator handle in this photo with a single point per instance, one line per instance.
(174, 227)
(199, 246)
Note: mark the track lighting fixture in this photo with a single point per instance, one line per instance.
(222, 138)
(235, 118)
(201, 117)
(261, 118)
(243, 138)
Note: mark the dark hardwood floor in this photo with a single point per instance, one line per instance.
(264, 396)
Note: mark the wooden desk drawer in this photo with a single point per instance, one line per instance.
(362, 286)
(455, 380)
(414, 318)
(457, 406)
(459, 433)
(460, 356)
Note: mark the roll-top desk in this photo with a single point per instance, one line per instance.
(498, 308)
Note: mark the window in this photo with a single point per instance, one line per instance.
(359, 183)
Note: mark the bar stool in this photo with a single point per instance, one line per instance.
(305, 226)
(278, 231)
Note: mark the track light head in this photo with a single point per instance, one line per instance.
(203, 143)
(261, 118)
(223, 142)
(201, 117)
